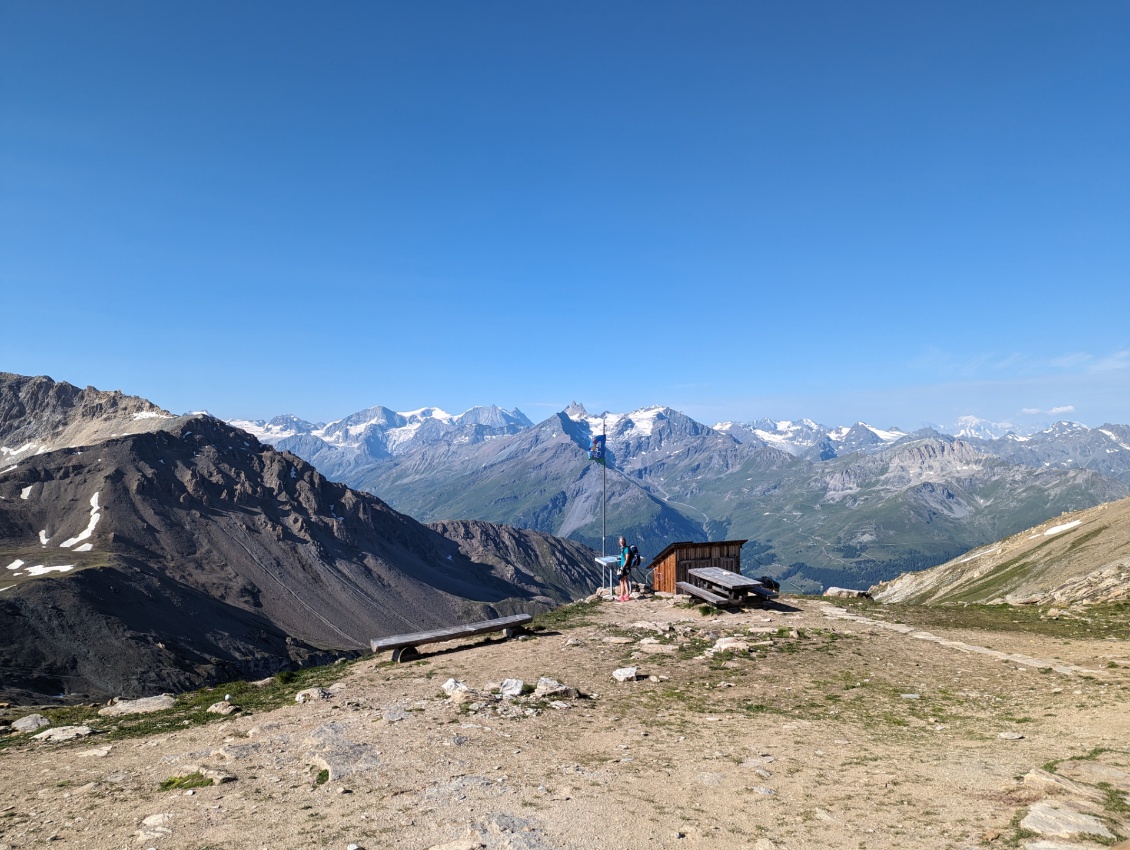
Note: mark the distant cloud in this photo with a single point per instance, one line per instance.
(1071, 361)
(993, 365)
(1052, 411)
(1115, 360)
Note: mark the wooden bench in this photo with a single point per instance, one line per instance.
(404, 646)
(702, 593)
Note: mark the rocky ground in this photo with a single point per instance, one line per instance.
(808, 726)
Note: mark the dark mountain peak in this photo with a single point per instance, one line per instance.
(41, 414)
(244, 546)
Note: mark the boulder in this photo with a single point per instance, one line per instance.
(625, 674)
(63, 733)
(847, 593)
(452, 685)
(145, 705)
(30, 723)
(1094, 772)
(729, 644)
(1054, 783)
(1059, 821)
(548, 688)
(312, 694)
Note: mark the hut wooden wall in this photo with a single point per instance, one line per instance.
(672, 564)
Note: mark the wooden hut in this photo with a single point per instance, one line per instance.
(670, 566)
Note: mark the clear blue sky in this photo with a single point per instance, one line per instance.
(892, 212)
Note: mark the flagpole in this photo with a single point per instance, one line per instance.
(604, 500)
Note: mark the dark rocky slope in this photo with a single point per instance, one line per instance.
(191, 553)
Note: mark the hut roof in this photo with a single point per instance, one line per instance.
(672, 547)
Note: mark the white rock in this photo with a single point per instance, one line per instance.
(146, 705)
(1057, 820)
(547, 687)
(311, 694)
(729, 644)
(30, 723)
(63, 733)
(160, 819)
(511, 687)
(1039, 778)
(847, 593)
(223, 707)
(462, 695)
(1094, 772)
(625, 674)
(452, 685)
(1010, 736)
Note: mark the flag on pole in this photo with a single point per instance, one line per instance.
(596, 450)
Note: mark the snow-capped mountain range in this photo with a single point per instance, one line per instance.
(387, 432)
(347, 444)
(819, 505)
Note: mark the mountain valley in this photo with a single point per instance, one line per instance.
(819, 506)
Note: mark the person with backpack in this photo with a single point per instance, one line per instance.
(629, 557)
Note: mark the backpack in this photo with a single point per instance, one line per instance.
(634, 559)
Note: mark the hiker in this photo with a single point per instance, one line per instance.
(624, 591)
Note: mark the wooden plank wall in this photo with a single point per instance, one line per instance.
(673, 568)
(663, 576)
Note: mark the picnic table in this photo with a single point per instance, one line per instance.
(723, 587)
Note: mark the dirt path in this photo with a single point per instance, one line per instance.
(824, 733)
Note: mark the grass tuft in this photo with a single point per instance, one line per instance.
(192, 780)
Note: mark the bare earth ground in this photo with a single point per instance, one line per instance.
(830, 733)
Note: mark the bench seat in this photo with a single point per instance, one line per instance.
(404, 646)
(702, 593)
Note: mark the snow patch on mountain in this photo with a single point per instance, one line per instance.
(1059, 529)
(10, 453)
(95, 515)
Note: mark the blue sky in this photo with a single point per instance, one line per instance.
(892, 212)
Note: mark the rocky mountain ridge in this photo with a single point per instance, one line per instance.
(1080, 557)
(187, 551)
